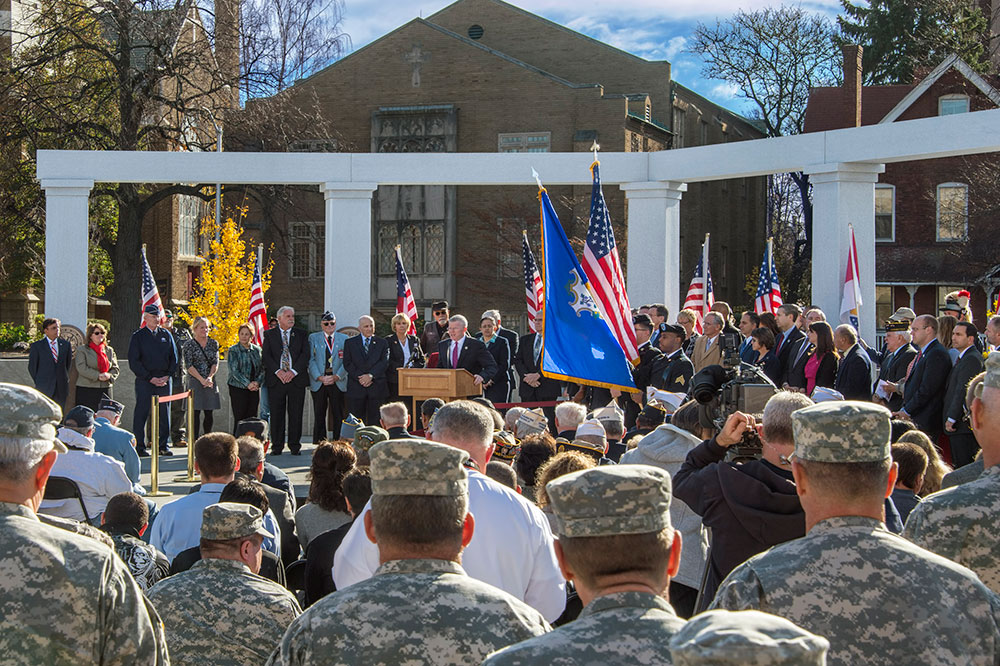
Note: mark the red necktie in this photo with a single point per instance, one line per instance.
(777, 347)
(454, 354)
(910, 367)
(54, 346)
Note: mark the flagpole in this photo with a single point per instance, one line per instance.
(704, 277)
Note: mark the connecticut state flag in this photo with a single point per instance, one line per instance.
(578, 344)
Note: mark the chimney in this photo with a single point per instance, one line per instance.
(852, 84)
(227, 45)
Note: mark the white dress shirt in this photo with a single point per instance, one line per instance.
(511, 549)
(99, 477)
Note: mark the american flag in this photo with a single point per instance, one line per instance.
(258, 311)
(601, 265)
(534, 290)
(404, 295)
(150, 294)
(700, 296)
(768, 290)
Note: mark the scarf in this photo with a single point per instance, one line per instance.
(103, 364)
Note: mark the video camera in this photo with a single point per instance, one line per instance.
(734, 386)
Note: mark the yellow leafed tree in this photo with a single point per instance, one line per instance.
(222, 293)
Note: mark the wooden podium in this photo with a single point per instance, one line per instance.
(447, 384)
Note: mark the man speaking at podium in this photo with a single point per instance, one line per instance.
(461, 351)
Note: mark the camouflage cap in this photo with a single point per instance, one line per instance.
(366, 436)
(721, 637)
(29, 415)
(611, 500)
(232, 520)
(531, 422)
(992, 378)
(842, 431)
(418, 467)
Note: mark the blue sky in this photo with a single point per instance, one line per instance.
(652, 29)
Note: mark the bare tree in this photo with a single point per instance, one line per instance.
(773, 57)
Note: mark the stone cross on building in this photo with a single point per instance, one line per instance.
(416, 57)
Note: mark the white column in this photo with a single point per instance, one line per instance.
(347, 265)
(66, 243)
(654, 255)
(844, 194)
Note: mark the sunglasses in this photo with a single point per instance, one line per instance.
(329, 323)
(437, 312)
(99, 333)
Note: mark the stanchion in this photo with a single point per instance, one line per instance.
(190, 477)
(154, 470)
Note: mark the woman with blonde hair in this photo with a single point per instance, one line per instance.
(96, 367)
(946, 326)
(404, 352)
(201, 355)
(936, 467)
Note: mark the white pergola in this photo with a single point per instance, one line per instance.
(843, 165)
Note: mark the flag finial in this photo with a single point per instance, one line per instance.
(537, 178)
(595, 147)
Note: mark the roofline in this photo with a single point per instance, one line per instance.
(557, 26)
(740, 116)
(948, 63)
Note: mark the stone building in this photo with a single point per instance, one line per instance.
(485, 76)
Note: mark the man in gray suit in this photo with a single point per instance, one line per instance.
(48, 363)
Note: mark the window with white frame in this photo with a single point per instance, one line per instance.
(952, 212)
(525, 142)
(952, 104)
(885, 213)
(306, 243)
(188, 218)
(883, 303)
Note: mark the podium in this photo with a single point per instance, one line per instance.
(444, 383)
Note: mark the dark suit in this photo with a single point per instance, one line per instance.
(473, 356)
(747, 352)
(794, 373)
(499, 390)
(547, 389)
(963, 442)
(924, 396)
(51, 376)
(364, 401)
(151, 355)
(771, 367)
(396, 361)
(642, 374)
(784, 351)
(674, 372)
(854, 376)
(432, 335)
(290, 396)
(894, 370)
(512, 342)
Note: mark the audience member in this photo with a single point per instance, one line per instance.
(364, 439)
(719, 638)
(558, 465)
(532, 422)
(936, 467)
(280, 516)
(569, 416)
(125, 519)
(911, 462)
(613, 420)
(503, 474)
(535, 450)
(116, 442)
(395, 418)
(505, 450)
(273, 476)
(427, 409)
(650, 418)
(511, 417)
(327, 506)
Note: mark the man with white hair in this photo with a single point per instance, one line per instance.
(461, 351)
(366, 360)
(285, 355)
(569, 416)
(65, 598)
(395, 418)
(512, 544)
(898, 356)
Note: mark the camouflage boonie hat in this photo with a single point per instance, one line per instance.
(506, 447)
(610, 500)
(847, 431)
(29, 415)
(365, 437)
(752, 638)
(532, 422)
(418, 467)
(232, 520)
(992, 378)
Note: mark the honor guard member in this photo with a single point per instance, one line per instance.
(675, 369)
(65, 599)
(878, 599)
(152, 358)
(746, 638)
(649, 358)
(220, 611)
(616, 544)
(420, 606)
(960, 523)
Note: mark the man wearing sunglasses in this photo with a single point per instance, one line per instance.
(437, 330)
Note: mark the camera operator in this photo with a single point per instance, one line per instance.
(749, 506)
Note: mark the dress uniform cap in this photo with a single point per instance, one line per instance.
(506, 447)
(591, 427)
(328, 316)
(720, 638)
(676, 329)
(581, 445)
(418, 467)
(151, 309)
(610, 414)
(349, 426)
(654, 412)
(28, 415)
(896, 326)
(825, 394)
(531, 422)
(109, 405)
(232, 520)
(366, 436)
(992, 378)
(610, 500)
(642, 319)
(844, 431)
(252, 426)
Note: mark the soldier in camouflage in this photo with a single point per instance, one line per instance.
(420, 606)
(616, 543)
(746, 638)
(220, 611)
(960, 523)
(876, 597)
(64, 598)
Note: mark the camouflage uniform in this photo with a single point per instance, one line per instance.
(64, 598)
(876, 597)
(210, 607)
(426, 611)
(746, 638)
(622, 627)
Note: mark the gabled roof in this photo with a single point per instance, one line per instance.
(952, 61)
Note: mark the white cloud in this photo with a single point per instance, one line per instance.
(724, 91)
